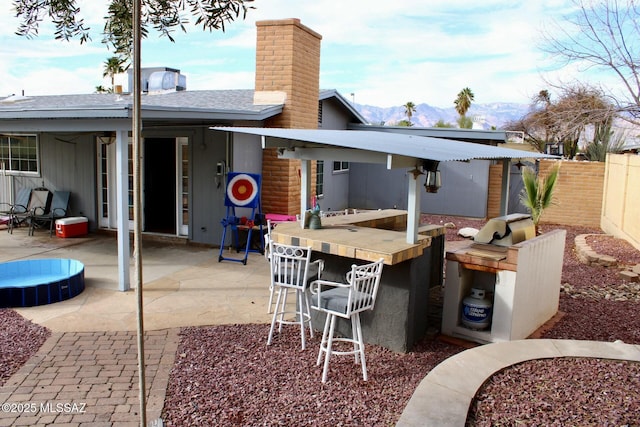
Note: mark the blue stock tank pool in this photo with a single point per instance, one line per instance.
(39, 281)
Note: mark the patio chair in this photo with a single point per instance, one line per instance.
(327, 214)
(42, 216)
(19, 206)
(346, 300)
(348, 211)
(39, 197)
(290, 270)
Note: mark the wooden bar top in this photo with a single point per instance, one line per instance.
(352, 236)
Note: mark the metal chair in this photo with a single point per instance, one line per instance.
(346, 300)
(327, 214)
(348, 211)
(290, 266)
(41, 215)
(19, 206)
(40, 197)
(267, 255)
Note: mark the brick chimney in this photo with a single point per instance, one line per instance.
(287, 67)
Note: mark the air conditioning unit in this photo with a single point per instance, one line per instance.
(159, 79)
(162, 81)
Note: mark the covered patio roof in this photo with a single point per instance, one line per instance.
(392, 149)
(395, 149)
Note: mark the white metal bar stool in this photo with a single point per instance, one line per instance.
(346, 300)
(290, 267)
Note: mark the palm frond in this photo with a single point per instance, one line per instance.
(537, 194)
(549, 183)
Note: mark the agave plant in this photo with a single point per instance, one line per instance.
(537, 194)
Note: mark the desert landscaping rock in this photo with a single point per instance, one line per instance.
(226, 375)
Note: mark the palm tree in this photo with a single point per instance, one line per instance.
(409, 109)
(463, 101)
(113, 66)
(537, 194)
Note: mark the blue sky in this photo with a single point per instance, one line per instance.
(384, 53)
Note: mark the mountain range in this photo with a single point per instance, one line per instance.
(485, 116)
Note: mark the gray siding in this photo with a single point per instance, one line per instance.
(464, 189)
(247, 157)
(67, 163)
(336, 186)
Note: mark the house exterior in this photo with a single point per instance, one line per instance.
(81, 144)
(77, 143)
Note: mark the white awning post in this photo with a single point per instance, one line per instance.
(413, 207)
(305, 185)
(122, 208)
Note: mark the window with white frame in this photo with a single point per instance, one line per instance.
(19, 153)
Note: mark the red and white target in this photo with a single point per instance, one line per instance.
(242, 189)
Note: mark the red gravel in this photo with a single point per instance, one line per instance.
(19, 340)
(620, 249)
(226, 375)
(560, 392)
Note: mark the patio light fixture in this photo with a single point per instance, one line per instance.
(433, 181)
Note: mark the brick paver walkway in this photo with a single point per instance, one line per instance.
(89, 378)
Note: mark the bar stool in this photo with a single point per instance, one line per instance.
(267, 256)
(290, 266)
(346, 300)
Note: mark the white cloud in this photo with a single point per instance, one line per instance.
(386, 53)
(221, 80)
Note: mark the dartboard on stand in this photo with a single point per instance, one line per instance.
(243, 190)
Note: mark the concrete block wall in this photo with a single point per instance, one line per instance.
(578, 193)
(287, 60)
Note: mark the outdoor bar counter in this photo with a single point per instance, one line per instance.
(400, 316)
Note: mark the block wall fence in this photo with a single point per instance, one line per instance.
(578, 194)
(621, 201)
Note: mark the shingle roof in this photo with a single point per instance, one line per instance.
(110, 105)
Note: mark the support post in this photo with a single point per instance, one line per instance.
(413, 207)
(122, 208)
(305, 185)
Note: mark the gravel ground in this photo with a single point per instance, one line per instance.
(225, 375)
(19, 340)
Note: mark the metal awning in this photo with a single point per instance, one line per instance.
(394, 149)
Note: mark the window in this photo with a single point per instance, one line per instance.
(319, 178)
(319, 114)
(19, 153)
(340, 166)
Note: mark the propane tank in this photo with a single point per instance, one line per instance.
(476, 310)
